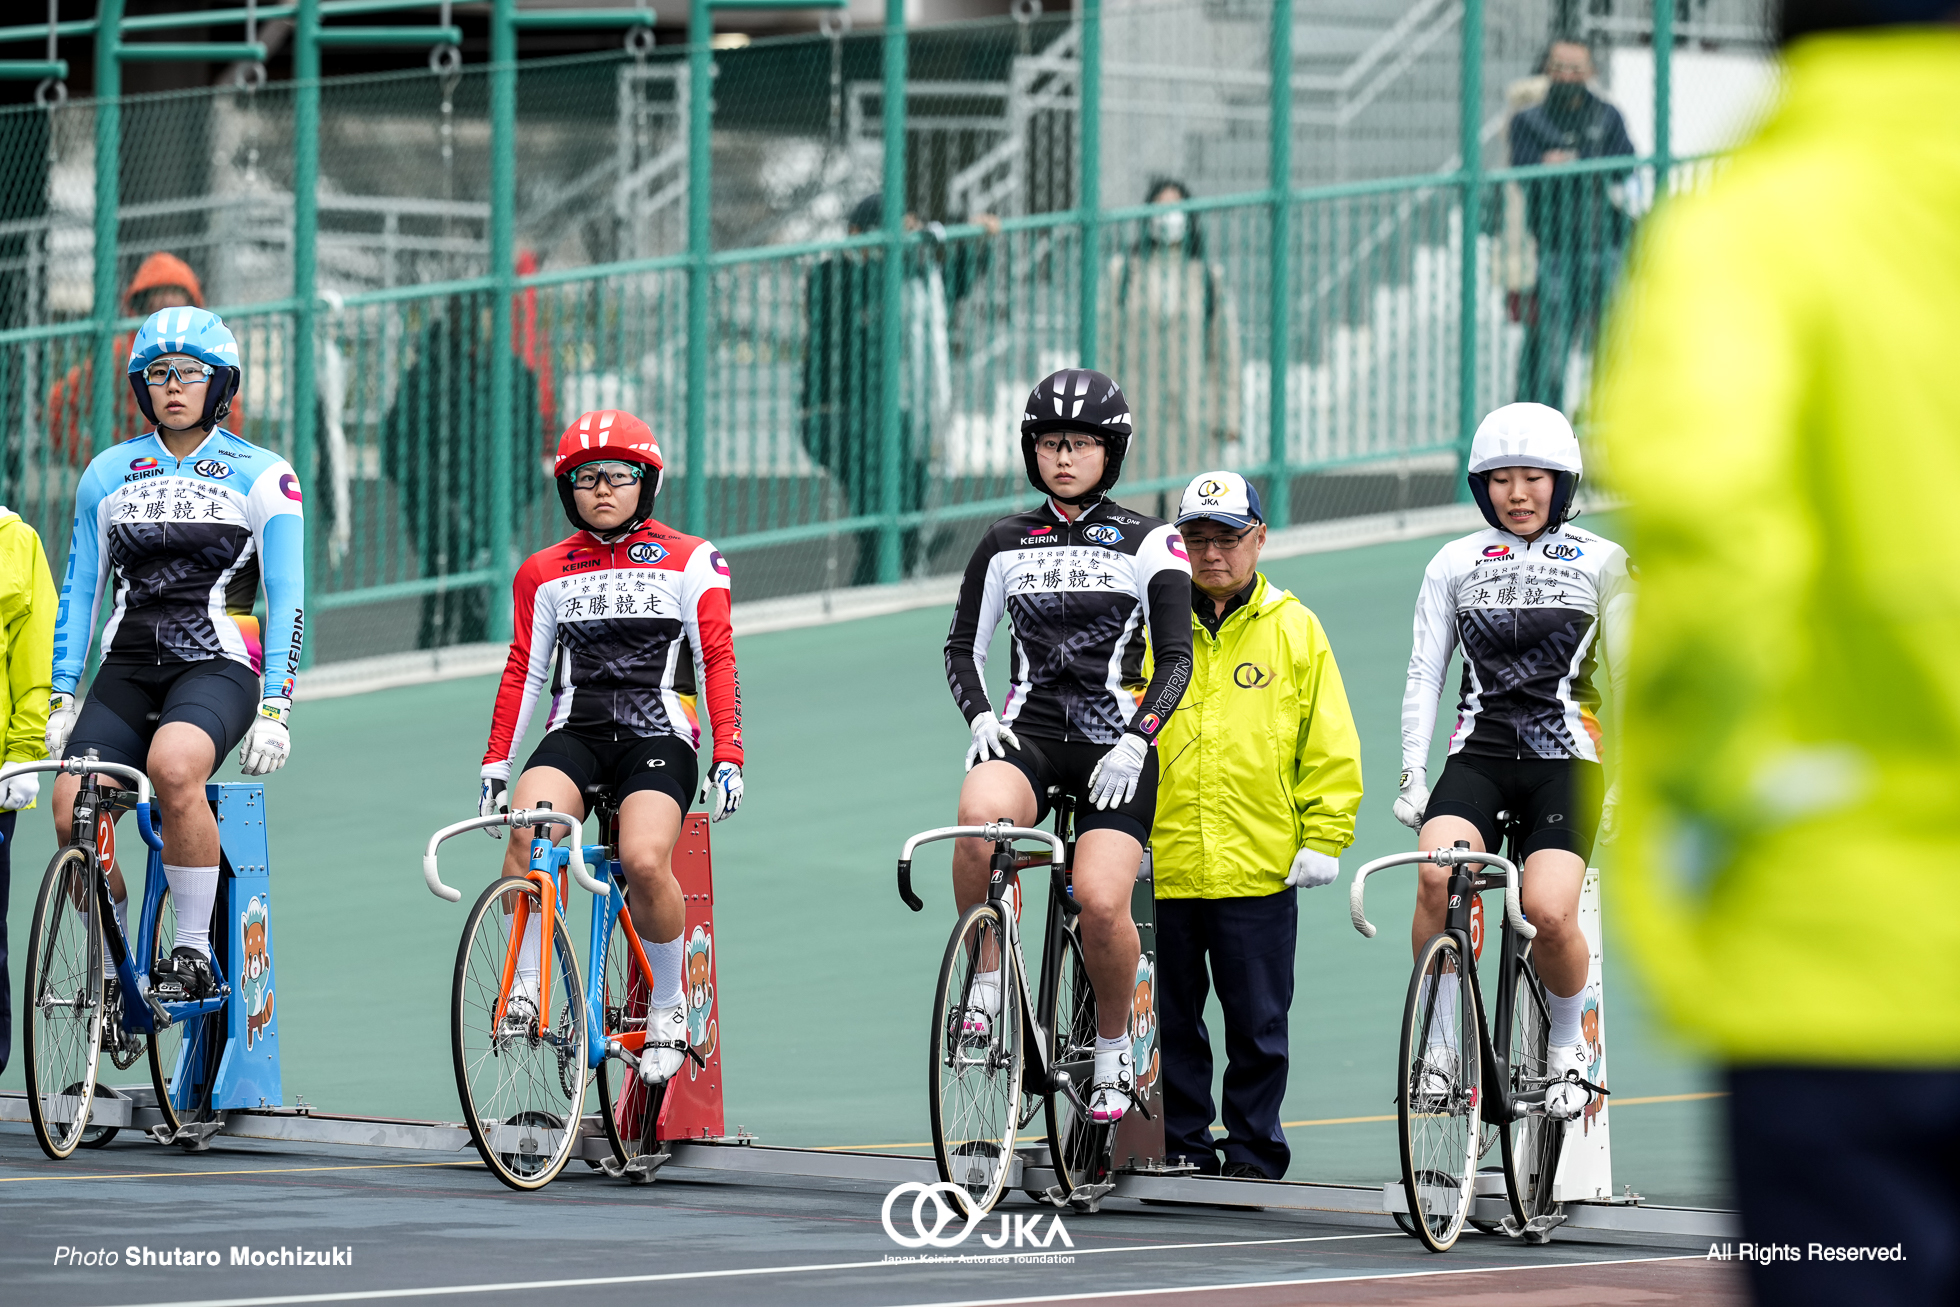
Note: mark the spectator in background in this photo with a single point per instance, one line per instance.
(1172, 331)
(1780, 397)
(1579, 223)
(434, 447)
(842, 398)
(162, 281)
(27, 609)
(1260, 785)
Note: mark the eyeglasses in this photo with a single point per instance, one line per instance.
(187, 371)
(617, 475)
(1052, 446)
(1224, 544)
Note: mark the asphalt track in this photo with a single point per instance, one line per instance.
(825, 983)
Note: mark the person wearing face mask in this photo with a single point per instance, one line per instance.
(1579, 223)
(1171, 328)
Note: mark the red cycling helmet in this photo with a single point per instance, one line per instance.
(612, 436)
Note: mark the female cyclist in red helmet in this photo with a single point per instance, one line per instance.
(624, 618)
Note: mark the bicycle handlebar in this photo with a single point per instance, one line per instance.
(519, 817)
(993, 831)
(79, 766)
(1513, 912)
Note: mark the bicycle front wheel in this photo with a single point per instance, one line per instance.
(64, 1003)
(1438, 1103)
(629, 1108)
(1532, 1143)
(975, 1072)
(1080, 1147)
(521, 1078)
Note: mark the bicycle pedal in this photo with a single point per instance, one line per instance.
(1088, 1197)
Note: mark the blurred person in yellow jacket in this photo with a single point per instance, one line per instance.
(1781, 403)
(1260, 784)
(27, 609)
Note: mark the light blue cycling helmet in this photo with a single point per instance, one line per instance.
(202, 335)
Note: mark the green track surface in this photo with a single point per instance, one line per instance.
(825, 977)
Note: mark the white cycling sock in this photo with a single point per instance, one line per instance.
(1120, 1044)
(986, 990)
(1565, 1017)
(528, 952)
(1443, 1024)
(194, 889)
(666, 960)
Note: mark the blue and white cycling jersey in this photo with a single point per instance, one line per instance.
(188, 543)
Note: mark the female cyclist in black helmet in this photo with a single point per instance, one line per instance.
(1086, 585)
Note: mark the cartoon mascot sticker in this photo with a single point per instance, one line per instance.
(255, 976)
(1143, 1026)
(701, 1024)
(1589, 1019)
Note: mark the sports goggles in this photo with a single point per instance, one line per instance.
(187, 371)
(1053, 445)
(617, 475)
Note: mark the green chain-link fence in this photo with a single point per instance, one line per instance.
(1024, 243)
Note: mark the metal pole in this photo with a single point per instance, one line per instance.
(1279, 259)
(503, 215)
(700, 237)
(891, 351)
(1089, 126)
(1663, 94)
(108, 372)
(306, 225)
(1470, 117)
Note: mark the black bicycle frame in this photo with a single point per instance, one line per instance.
(1501, 1107)
(1038, 1075)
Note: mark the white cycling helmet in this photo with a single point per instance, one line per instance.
(1525, 435)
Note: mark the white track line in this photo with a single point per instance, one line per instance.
(1286, 1284)
(437, 1291)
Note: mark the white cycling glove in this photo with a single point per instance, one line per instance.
(267, 744)
(20, 792)
(724, 788)
(1114, 781)
(1414, 798)
(1311, 869)
(990, 740)
(61, 724)
(493, 798)
(1609, 814)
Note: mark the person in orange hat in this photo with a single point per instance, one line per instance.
(162, 281)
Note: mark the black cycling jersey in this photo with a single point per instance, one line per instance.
(1082, 597)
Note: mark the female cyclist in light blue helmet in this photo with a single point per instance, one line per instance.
(180, 529)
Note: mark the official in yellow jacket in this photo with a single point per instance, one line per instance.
(27, 606)
(1781, 401)
(1260, 780)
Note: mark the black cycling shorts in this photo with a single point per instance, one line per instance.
(1065, 766)
(1558, 799)
(621, 767)
(127, 702)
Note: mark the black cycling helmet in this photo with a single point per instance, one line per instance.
(1078, 399)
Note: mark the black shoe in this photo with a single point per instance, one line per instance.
(183, 977)
(1242, 1171)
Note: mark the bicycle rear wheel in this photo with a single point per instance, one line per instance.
(183, 1055)
(1532, 1143)
(629, 1108)
(1080, 1147)
(63, 1007)
(974, 1078)
(1438, 1103)
(522, 1089)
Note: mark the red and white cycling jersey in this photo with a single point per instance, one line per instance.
(624, 632)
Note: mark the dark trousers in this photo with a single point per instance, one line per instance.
(1248, 946)
(7, 820)
(1573, 287)
(1849, 1159)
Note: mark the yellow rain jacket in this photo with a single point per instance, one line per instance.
(27, 608)
(1260, 758)
(1781, 400)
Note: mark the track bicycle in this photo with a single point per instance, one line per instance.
(523, 1090)
(87, 989)
(1038, 1052)
(1451, 1109)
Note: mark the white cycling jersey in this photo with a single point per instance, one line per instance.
(1530, 619)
